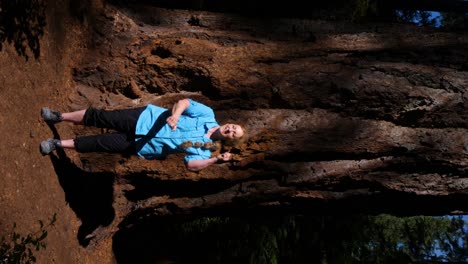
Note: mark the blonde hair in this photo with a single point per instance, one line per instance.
(235, 142)
(216, 145)
(213, 146)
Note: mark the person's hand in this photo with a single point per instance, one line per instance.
(226, 156)
(172, 121)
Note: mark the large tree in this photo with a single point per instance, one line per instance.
(294, 239)
(343, 118)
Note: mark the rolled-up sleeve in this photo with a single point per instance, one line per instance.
(197, 109)
(197, 154)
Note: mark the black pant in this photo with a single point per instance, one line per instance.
(123, 121)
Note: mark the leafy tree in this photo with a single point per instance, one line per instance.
(454, 20)
(19, 249)
(305, 239)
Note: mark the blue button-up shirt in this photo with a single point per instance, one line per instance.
(155, 138)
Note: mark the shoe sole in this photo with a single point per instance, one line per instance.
(42, 148)
(43, 111)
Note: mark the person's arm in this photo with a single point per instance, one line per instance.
(196, 165)
(177, 110)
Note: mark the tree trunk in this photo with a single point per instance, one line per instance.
(342, 118)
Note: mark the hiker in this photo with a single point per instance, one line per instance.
(151, 132)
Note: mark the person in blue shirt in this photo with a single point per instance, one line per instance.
(151, 132)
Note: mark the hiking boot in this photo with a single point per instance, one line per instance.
(49, 145)
(50, 116)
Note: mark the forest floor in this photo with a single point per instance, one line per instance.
(30, 189)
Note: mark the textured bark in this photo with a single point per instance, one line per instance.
(342, 118)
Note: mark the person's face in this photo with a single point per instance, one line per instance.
(231, 131)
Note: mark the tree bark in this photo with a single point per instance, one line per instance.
(342, 118)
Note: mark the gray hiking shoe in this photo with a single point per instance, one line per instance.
(49, 145)
(50, 116)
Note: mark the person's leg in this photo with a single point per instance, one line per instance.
(75, 117)
(67, 143)
(110, 143)
(124, 120)
(49, 145)
(52, 117)
(121, 120)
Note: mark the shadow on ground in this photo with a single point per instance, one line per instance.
(90, 195)
(22, 24)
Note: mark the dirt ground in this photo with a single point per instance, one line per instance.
(30, 189)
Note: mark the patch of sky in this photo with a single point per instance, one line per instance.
(455, 20)
(439, 250)
(421, 18)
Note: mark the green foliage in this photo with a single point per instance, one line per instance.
(386, 238)
(454, 20)
(455, 241)
(319, 239)
(421, 18)
(19, 249)
(234, 238)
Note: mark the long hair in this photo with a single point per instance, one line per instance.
(213, 146)
(216, 146)
(236, 142)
